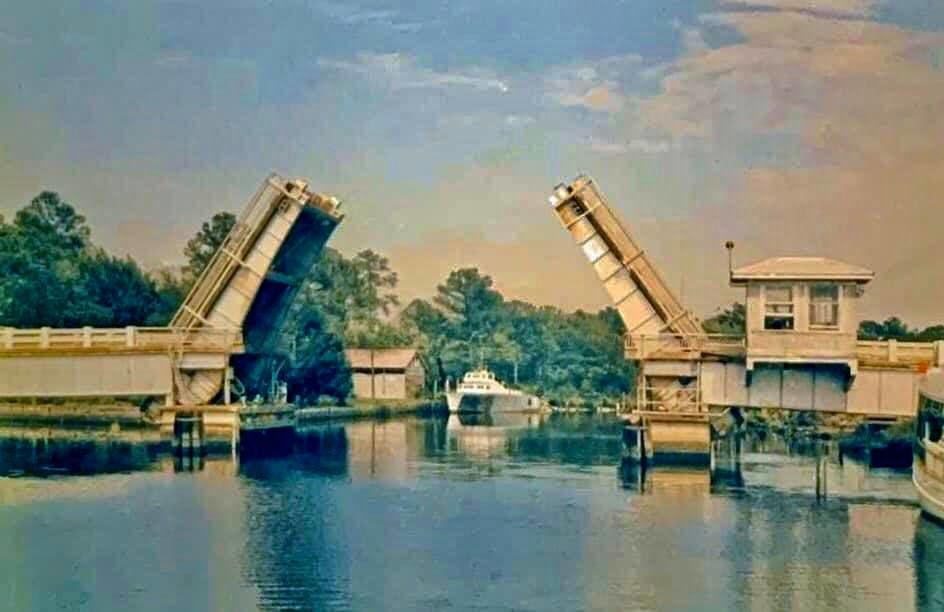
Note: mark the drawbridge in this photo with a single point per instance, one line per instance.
(800, 353)
(229, 323)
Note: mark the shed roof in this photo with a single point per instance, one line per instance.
(801, 268)
(383, 359)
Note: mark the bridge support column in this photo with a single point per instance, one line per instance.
(227, 388)
(679, 438)
(821, 466)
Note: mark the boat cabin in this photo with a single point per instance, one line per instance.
(479, 379)
(802, 310)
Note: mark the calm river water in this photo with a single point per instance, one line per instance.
(439, 515)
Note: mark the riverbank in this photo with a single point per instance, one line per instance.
(76, 414)
(127, 415)
(371, 410)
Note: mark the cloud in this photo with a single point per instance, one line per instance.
(693, 41)
(847, 8)
(861, 101)
(655, 71)
(400, 71)
(485, 119)
(353, 15)
(518, 120)
(601, 98)
(635, 145)
(596, 86)
(850, 89)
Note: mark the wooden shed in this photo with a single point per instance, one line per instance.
(386, 373)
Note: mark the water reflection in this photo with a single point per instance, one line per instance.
(929, 564)
(538, 512)
(43, 451)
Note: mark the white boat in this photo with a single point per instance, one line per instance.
(480, 392)
(928, 469)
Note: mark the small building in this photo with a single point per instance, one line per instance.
(802, 310)
(386, 373)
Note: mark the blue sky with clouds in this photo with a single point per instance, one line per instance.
(780, 123)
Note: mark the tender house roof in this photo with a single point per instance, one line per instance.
(383, 359)
(801, 268)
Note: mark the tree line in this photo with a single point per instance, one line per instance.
(53, 274)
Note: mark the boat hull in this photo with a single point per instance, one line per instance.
(462, 403)
(929, 485)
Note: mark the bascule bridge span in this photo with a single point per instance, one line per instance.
(800, 350)
(227, 326)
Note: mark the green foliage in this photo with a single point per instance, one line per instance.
(206, 242)
(51, 274)
(355, 296)
(111, 292)
(343, 302)
(930, 334)
(171, 290)
(566, 357)
(318, 367)
(50, 224)
(730, 321)
(40, 260)
(469, 302)
(894, 328)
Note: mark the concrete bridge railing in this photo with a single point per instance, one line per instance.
(884, 353)
(132, 339)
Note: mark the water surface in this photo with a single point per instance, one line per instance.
(531, 514)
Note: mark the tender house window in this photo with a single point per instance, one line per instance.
(778, 308)
(824, 306)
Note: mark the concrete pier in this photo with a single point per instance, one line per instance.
(199, 427)
(669, 438)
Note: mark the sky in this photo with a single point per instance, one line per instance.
(791, 127)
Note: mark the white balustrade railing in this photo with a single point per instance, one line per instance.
(691, 346)
(123, 338)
